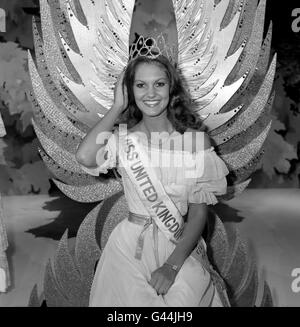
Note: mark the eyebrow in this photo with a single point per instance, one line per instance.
(140, 80)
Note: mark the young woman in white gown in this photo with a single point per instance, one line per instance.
(150, 98)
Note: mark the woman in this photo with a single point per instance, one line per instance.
(143, 263)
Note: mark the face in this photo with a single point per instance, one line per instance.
(151, 89)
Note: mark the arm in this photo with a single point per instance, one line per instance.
(163, 278)
(193, 229)
(197, 214)
(90, 145)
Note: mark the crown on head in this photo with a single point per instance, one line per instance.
(152, 48)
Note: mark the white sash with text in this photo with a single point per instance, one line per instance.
(151, 191)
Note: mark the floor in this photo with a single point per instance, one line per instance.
(269, 219)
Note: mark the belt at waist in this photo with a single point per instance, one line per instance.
(138, 219)
(145, 221)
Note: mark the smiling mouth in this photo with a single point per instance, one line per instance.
(151, 103)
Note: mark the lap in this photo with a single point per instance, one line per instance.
(122, 280)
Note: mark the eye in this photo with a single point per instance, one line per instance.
(161, 84)
(139, 85)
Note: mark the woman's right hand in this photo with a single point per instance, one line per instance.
(120, 94)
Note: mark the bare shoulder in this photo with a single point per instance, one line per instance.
(199, 140)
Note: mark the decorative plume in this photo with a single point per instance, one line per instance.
(235, 263)
(224, 60)
(68, 284)
(72, 83)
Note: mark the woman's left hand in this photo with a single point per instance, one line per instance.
(162, 279)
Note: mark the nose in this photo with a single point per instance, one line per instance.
(151, 92)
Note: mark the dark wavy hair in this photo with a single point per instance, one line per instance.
(179, 110)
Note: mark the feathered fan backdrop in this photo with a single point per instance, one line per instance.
(224, 60)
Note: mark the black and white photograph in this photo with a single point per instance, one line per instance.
(149, 155)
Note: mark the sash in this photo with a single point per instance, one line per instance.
(149, 188)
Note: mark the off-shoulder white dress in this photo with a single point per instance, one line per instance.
(123, 280)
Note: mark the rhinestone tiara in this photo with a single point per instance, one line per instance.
(152, 47)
